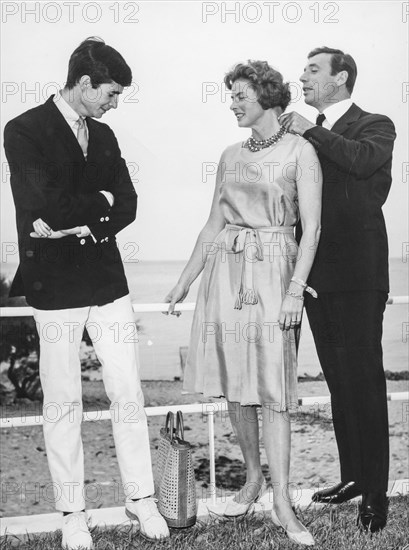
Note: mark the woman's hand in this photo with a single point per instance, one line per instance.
(291, 312)
(177, 294)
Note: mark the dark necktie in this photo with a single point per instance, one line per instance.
(320, 119)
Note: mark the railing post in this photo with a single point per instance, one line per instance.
(212, 462)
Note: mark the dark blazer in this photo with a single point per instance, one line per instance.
(50, 179)
(356, 159)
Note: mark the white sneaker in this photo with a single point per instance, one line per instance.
(75, 532)
(151, 523)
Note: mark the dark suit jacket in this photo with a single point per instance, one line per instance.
(50, 179)
(356, 159)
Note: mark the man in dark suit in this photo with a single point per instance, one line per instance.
(73, 194)
(350, 274)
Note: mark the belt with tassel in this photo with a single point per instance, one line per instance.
(249, 243)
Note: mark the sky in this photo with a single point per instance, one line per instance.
(173, 123)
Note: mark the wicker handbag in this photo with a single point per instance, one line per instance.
(175, 483)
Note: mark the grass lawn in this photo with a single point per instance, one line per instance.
(334, 528)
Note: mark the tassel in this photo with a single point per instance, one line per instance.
(238, 302)
(250, 297)
(260, 254)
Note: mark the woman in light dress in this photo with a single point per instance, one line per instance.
(246, 324)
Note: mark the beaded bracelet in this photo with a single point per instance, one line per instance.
(294, 295)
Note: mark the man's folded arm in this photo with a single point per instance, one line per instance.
(362, 156)
(40, 187)
(123, 212)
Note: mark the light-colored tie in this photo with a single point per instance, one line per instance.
(82, 135)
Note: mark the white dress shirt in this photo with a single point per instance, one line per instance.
(335, 112)
(69, 114)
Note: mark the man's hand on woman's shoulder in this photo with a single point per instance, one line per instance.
(295, 123)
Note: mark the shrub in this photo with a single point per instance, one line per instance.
(19, 346)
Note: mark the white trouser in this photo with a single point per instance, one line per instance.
(113, 332)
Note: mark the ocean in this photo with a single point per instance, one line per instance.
(162, 336)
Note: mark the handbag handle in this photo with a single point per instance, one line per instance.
(169, 424)
(180, 429)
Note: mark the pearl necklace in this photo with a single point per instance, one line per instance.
(257, 145)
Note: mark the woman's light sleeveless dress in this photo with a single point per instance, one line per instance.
(237, 349)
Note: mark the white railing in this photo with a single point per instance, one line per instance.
(26, 311)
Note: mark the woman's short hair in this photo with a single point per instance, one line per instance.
(100, 62)
(268, 83)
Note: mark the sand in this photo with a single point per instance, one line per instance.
(26, 484)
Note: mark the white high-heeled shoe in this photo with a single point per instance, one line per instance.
(300, 537)
(235, 509)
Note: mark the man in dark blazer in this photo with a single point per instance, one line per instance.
(73, 194)
(350, 274)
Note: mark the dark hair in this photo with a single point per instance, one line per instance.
(266, 81)
(100, 62)
(340, 61)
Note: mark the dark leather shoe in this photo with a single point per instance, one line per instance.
(373, 511)
(337, 494)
